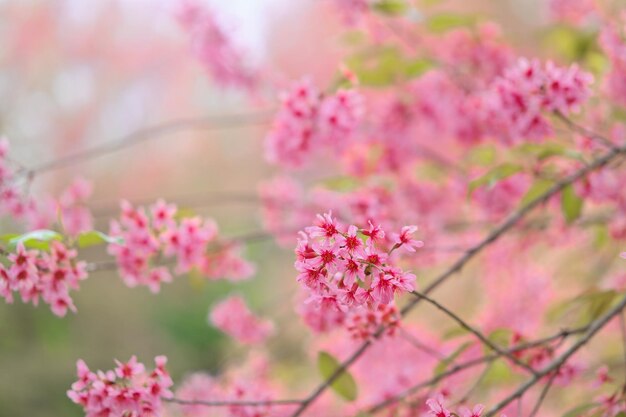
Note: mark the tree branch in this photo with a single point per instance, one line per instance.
(143, 135)
(505, 226)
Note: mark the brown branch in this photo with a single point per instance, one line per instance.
(143, 135)
(594, 328)
(505, 226)
(473, 331)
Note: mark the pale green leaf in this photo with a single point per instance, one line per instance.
(344, 385)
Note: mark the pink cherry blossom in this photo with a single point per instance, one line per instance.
(234, 318)
(129, 390)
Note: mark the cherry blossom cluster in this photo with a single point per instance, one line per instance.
(148, 238)
(249, 382)
(36, 274)
(233, 317)
(346, 267)
(309, 121)
(515, 102)
(213, 46)
(129, 390)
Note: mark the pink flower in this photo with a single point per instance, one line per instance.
(129, 390)
(233, 317)
(340, 272)
(147, 238)
(405, 240)
(437, 409)
(477, 411)
(308, 122)
(41, 275)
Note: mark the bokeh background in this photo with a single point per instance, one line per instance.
(75, 74)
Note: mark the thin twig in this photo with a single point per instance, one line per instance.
(473, 331)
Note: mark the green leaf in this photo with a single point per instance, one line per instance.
(482, 155)
(443, 365)
(571, 204)
(540, 186)
(571, 43)
(581, 409)
(391, 7)
(344, 385)
(493, 176)
(543, 151)
(598, 303)
(444, 22)
(94, 237)
(500, 337)
(341, 183)
(499, 373)
(454, 333)
(37, 239)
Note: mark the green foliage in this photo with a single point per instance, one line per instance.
(539, 187)
(391, 7)
(542, 151)
(37, 239)
(494, 175)
(94, 237)
(344, 385)
(499, 372)
(484, 155)
(499, 337)
(342, 183)
(571, 204)
(385, 65)
(443, 22)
